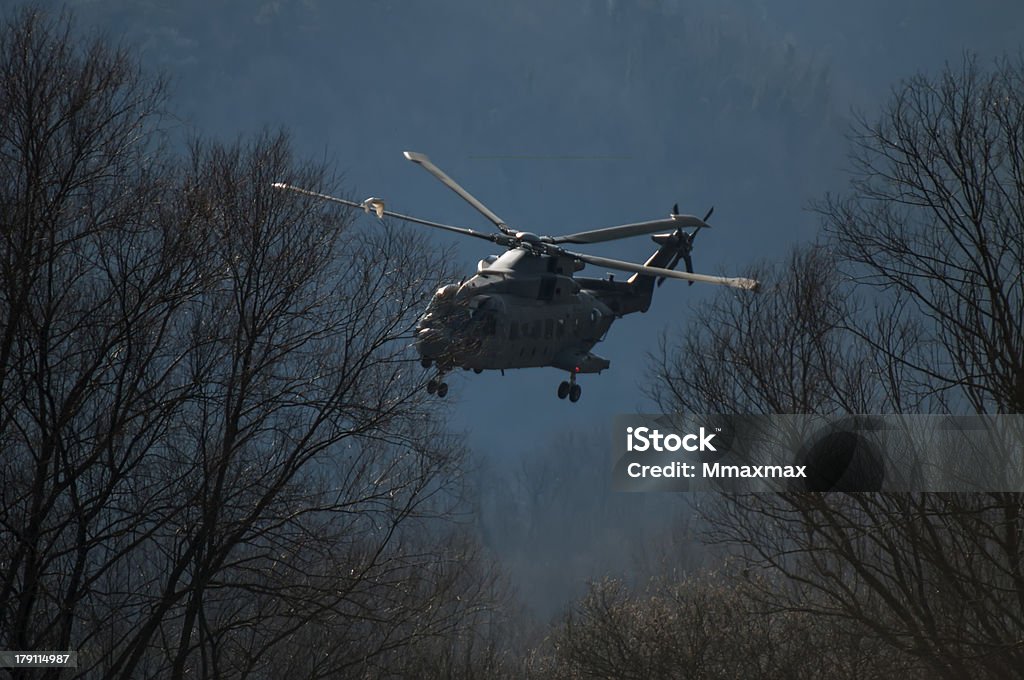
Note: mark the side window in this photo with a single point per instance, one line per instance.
(560, 328)
(549, 328)
(513, 331)
(535, 333)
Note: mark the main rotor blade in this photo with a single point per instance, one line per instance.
(493, 238)
(421, 159)
(627, 230)
(733, 282)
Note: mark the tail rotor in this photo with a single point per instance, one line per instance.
(685, 245)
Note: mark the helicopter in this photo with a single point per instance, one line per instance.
(526, 308)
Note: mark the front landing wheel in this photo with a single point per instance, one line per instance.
(563, 390)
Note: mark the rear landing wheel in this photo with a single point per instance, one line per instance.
(563, 390)
(574, 393)
(431, 386)
(442, 390)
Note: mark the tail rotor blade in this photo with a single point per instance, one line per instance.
(671, 265)
(689, 264)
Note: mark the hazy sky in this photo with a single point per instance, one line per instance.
(561, 117)
(564, 116)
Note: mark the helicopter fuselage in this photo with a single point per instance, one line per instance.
(523, 310)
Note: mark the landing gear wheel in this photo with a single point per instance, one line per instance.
(432, 386)
(425, 362)
(478, 371)
(563, 390)
(442, 390)
(574, 393)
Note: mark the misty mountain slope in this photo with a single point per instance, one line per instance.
(564, 116)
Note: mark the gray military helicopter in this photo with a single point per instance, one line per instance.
(525, 308)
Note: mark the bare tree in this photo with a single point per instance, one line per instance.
(703, 627)
(934, 577)
(789, 350)
(85, 385)
(217, 459)
(934, 219)
(925, 314)
(304, 449)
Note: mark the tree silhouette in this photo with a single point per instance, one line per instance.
(933, 224)
(216, 457)
(914, 303)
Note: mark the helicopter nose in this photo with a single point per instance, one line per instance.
(430, 342)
